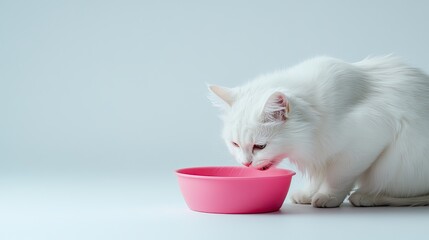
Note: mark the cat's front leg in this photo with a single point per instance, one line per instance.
(343, 170)
(330, 196)
(305, 196)
(302, 197)
(337, 183)
(328, 200)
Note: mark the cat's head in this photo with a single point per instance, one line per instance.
(256, 123)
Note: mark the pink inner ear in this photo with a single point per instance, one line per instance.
(278, 108)
(280, 115)
(281, 101)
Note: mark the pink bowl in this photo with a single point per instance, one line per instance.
(234, 189)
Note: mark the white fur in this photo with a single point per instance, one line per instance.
(346, 125)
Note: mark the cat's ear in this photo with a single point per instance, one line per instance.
(276, 108)
(221, 96)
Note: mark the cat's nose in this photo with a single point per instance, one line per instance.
(247, 164)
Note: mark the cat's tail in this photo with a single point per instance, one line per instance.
(362, 200)
(410, 201)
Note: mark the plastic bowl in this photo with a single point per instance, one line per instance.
(234, 189)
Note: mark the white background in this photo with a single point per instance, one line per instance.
(100, 101)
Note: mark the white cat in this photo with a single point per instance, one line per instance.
(345, 125)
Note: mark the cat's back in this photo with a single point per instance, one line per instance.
(326, 81)
(327, 73)
(391, 71)
(303, 78)
(396, 85)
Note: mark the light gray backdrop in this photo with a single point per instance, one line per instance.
(118, 88)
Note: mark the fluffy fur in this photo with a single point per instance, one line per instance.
(361, 125)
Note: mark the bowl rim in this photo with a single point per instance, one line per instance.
(288, 173)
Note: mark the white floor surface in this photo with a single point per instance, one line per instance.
(136, 208)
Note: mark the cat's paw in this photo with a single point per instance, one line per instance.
(362, 200)
(301, 197)
(321, 200)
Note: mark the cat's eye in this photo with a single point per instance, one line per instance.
(259, 147)
(235, 144)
